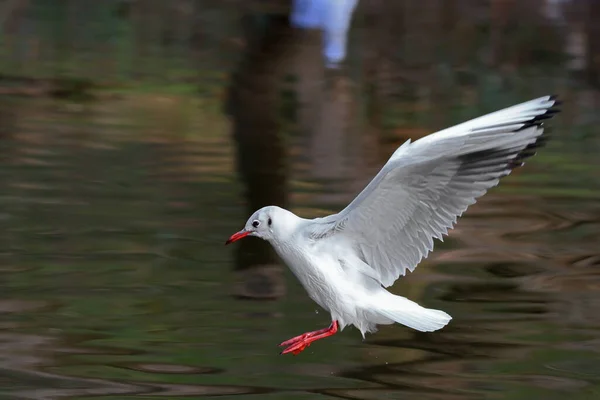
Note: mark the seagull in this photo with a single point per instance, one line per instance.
(346, 260)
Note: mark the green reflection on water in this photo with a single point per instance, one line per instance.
(113, 220)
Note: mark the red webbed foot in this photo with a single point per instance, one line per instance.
(299, 343)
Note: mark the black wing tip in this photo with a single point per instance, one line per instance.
(550, 112)
(529, 151)
(555, 107)
(491, 159)
(555, 99)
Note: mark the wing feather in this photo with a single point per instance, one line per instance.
(426, 185)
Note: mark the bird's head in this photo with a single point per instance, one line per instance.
(268, 223)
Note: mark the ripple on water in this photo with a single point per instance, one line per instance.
(93, 230)
(168, 368)
(164, 389)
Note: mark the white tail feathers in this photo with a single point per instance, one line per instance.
(409, 313)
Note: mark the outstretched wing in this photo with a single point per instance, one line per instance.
(426, 185)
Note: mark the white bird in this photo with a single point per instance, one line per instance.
(345, 260)
(333, 17)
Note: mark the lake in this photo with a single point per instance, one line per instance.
(116, 284)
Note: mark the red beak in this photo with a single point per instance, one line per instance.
(237, 236)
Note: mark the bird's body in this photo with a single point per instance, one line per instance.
(319, 266)
(345, 260)
(337, 279)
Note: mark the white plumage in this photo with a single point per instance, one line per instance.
(345, 260)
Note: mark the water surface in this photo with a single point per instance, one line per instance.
(115, 282)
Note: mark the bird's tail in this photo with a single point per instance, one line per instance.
(409, 313)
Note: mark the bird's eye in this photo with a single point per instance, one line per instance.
(255, 223)
(270, 222)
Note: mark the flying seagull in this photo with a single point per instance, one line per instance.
(346, 260)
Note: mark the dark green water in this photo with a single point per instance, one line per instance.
(115, 282)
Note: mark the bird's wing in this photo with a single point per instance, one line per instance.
(426, 185)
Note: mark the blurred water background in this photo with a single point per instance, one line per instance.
(136, 136)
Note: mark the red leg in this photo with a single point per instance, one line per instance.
(301, 342)
(304, 336)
